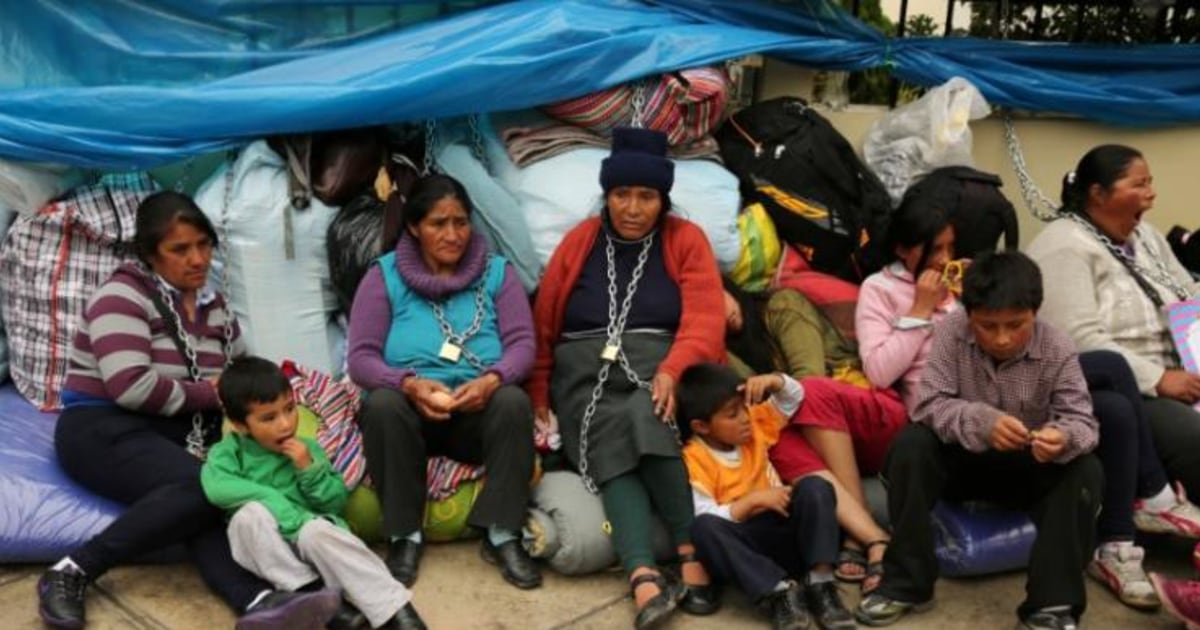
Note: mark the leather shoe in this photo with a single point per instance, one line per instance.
(346, 618)
(405, 619)
(60, 598)
(515, 564)
(403, 558)
(700, 599)
(655, 611)
(281, 610)
(825, 604)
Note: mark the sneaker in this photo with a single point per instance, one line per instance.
(878, 609)
(825, 605)
(786, 610)
(1121, 570)
(1182, 519)
(1181, 598)
(1056, 618)
(60, 598)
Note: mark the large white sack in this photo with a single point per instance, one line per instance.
(26, 187)
(285, 304)
(557, 193)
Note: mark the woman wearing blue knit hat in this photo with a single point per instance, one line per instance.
(629, 300)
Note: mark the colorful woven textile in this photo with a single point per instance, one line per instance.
(50, 263)
(686, 105)
(336, 404)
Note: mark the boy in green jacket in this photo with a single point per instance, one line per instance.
(285, 498)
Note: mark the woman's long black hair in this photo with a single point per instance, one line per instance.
(754, 345)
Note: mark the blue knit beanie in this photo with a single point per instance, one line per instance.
(638, 158)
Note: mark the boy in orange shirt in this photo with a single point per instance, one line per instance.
(750, 528)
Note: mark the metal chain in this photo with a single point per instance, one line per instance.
(1038, 203)
(477, 148)
(1159, 274)
(226, 250)
(460, 339)
(616, 327)
(637, 116)
(430, 146)
(195, 437)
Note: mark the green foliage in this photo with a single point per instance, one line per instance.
(1124, 24)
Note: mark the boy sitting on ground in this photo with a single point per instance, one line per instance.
(285, 498)
(751, 528)
(1003, 415)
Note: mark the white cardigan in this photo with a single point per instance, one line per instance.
(1091, 295)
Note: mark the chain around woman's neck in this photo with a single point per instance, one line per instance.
(1158, 274)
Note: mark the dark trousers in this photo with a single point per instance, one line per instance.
(1176, 430)
(767, 548)
(659, 485)
(398, 440)
(139, 460)
(1132, 468)
(1062, 499)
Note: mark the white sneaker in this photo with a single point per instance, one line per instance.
(1120, 568)
(1181, 519)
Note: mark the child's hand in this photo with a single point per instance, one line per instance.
(1048, 443)
(775, 499)
(931, 292)
(757, 388)
(297, 452)
(1008, 434)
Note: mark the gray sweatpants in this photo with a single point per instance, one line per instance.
(322, 550)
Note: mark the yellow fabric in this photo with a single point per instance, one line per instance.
(725, 483)
(761, 249)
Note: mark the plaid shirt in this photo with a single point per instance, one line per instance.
(964, 391)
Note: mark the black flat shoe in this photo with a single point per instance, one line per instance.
(403, 558)
(515, 564)
(406, 619)
(698, 599)
(786, 610)
(660, 607)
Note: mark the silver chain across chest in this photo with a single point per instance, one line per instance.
(616, 327)
(195, 437)
(460, 339)
(1158, 274)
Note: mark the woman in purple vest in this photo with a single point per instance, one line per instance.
(139, 409)
(440, 336)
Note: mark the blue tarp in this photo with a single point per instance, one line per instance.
(137, 83)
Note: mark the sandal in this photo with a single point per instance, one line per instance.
(874, 570)
(658, 608)
(854, 557)
(697, 599)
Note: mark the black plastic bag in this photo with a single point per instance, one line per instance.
(353, 242)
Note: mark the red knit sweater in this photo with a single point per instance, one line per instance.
(690, 263)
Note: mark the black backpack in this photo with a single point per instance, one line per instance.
(821, 197)
(975, 204)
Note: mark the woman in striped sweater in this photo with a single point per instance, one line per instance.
(141, 407)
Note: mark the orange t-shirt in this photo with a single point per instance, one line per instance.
(727, 482)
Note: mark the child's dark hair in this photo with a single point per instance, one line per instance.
(917, 222)
(248, 381)
(1103, 165)
(1002, 280)
(701, 392)
(753, 344)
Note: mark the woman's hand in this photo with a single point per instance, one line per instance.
(662, 394)
(432, 399)
(474, 394)
(930, 292)
(1180, 385)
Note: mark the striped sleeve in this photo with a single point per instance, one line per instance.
(122, 342)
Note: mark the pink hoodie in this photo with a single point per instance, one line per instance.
(892, 356)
